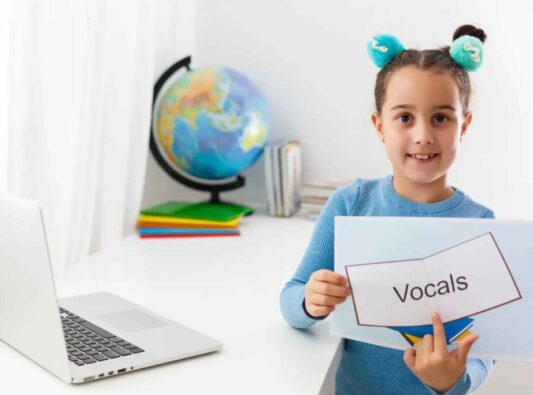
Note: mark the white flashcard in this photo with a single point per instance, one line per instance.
(461, 281)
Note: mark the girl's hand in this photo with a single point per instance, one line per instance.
(433, 364)
(323, 291)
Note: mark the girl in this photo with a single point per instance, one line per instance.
(421, 116)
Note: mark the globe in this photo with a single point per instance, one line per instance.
(210, 124)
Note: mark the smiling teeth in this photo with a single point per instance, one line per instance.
(424, 157)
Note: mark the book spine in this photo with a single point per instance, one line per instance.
(269, 181)
(277, 180)
(285, 180)
(296, 176)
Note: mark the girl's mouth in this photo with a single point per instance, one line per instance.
(422, 158)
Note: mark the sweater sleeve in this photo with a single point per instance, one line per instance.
(477, 371)
(318, 255)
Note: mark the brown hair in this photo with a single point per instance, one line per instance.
(434, 59)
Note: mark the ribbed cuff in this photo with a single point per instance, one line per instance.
(461, 387)
(309, 315)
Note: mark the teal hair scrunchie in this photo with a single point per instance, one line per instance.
(383, 48)
(467, 51)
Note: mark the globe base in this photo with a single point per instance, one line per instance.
(215, 199)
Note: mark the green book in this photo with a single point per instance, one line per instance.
(204, 211)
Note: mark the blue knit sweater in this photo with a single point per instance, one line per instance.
(366, 368)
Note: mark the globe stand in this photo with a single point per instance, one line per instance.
(214, 187)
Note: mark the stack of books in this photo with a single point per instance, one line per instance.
(455, 331)
(314, 196)
(179, 219)
(283, 171)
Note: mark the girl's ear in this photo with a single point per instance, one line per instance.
(378, 125)
(465, 125)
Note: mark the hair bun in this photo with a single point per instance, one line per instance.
(469, 30)
(383, 48)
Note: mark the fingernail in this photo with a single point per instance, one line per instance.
(436, 316)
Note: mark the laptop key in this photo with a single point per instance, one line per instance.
(123, 343)
(96, 329)
(83, 357)
(100, 357)
(90, 360)
(110, 354)
(136, 350)
(79, 363)
(130, 346)
(120, 350)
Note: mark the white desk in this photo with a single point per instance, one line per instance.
(225, 287)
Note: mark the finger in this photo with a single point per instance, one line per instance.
(319, 311)
(419, 353)
(325, 300)
(464, 347)
(439, 335)
(331, 290)
(409, 357)
(331, 277)
(427, 345)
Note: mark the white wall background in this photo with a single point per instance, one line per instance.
(309, 59)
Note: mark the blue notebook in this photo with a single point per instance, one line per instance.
(452, 329)
(182, 231)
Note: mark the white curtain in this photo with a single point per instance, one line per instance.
(76, 88)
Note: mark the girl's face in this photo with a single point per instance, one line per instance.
(421, 123)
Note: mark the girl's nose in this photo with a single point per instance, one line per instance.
(422, 135)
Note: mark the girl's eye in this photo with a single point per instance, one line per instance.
(404, 118)
(440, 118)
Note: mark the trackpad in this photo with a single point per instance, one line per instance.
(132, 320)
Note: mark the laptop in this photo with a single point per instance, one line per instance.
(82, 338)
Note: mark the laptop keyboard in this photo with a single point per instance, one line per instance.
(88, 343)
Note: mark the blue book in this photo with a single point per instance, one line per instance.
(453, 329)
(182, 231)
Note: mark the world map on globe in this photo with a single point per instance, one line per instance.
(211, 123)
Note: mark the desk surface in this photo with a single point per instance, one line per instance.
(227, 288)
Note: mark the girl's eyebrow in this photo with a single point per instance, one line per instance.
(410, 106)
(407, 106)
(444, 107)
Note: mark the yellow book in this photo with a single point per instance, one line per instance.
(415, 339)
(411, 338)
(184, 221)
(461, 336)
